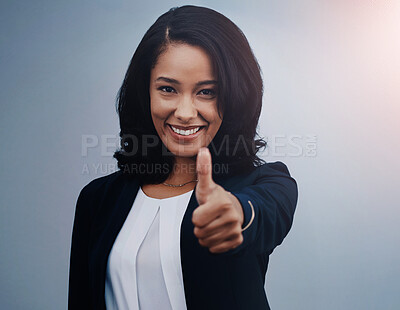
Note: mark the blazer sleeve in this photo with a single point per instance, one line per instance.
(79, 293)
(274, 197)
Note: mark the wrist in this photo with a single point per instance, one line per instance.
(238, 208)
(247, 210)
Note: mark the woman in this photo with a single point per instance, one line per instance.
(191, 217)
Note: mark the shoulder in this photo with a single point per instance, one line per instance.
(93, 193)
(271, 169)
(276, 175)
(268, 173)
(274, 169)
(97, 187)
(275, 181)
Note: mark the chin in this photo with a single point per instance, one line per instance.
(187, 152)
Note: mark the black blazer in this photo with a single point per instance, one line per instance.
(231, 280)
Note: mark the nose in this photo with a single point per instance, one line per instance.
(186, 109)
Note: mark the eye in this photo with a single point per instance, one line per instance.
(208, 92)
(166, 89)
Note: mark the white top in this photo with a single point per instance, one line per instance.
(144, 265)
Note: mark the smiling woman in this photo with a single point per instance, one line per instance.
(180, 65)
(172, 229)
(183, 100)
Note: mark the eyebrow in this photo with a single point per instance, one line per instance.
(173, 81)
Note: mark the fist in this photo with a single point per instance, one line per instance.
(219, 217)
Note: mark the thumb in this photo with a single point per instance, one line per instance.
(204, 174)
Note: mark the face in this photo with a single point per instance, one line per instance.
(183, 99)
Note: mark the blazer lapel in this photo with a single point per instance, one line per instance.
(112, 214)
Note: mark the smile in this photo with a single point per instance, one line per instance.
(185, 132)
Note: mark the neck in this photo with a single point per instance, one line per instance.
(184, 170)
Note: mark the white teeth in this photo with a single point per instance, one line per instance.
(185, 132)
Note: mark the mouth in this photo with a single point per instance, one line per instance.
(188, 133)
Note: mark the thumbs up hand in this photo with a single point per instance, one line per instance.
(219, 217)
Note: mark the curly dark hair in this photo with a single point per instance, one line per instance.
(239, 93)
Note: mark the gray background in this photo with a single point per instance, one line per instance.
(331, 108)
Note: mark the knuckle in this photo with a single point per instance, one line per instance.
(222, 205)
(201, 233)
(226, 206)
(232, 218)
(236, 234)
(196, 218)
(214, 250)
(237, 239)
(238, 231)
(214, 186)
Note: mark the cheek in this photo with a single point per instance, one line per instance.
(212, 117)
(158, 109)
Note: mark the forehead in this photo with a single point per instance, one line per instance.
(184, 62)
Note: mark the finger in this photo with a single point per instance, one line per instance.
(204, 175)
(220, 223)
(217, 240)
(206, 213)
(226, 246)
(219, 234)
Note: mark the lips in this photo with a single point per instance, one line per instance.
(186, 133)
(186, 127)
